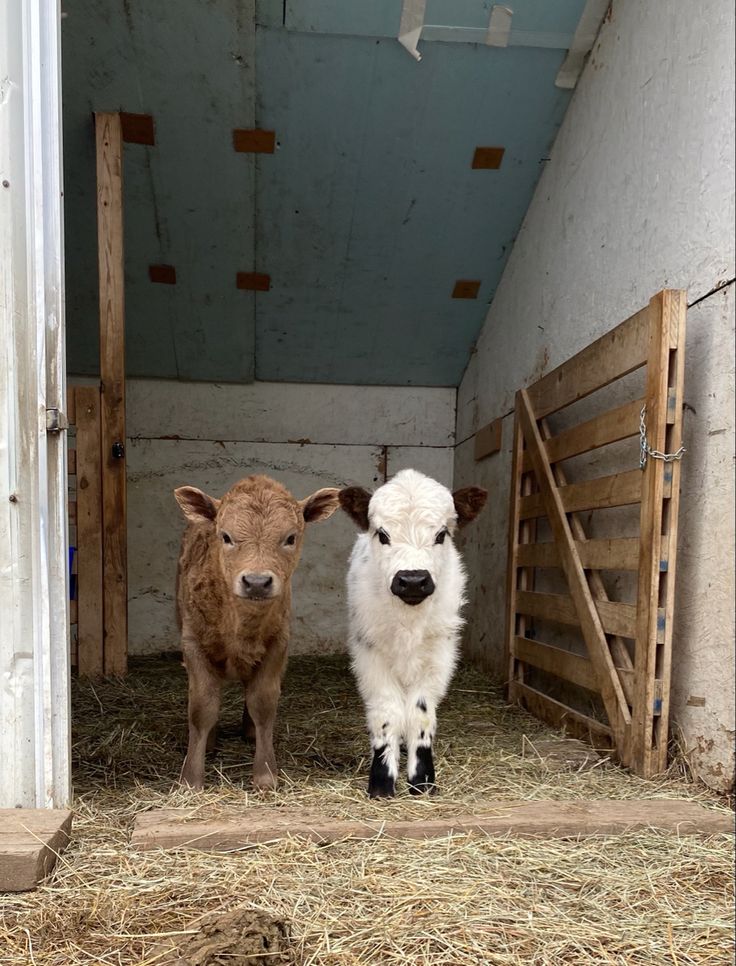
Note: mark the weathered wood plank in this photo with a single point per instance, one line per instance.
(112, 373)
(90, 659)
(609, 685)
(670, 516)
(606, 554)
(567, 665)
(170, 829)
(572, 722)
(618, 352)
(667, 315)
(30, 841)
(609, 427)
(619, 489)
(615, 617)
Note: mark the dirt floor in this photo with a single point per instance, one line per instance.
(639, 898)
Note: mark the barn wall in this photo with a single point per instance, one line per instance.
(638, 196)
(306, 436)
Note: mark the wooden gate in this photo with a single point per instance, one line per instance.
(627, 645)
(98, 641)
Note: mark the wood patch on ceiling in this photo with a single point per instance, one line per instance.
(137, 128)
(466, 288)
(253, 281)
(164, 274)
(488, 158)
(254, 141)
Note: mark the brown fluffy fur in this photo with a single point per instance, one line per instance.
(227, 636)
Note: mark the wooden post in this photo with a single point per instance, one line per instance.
(112, 375)
(90, 633)
(668, 310)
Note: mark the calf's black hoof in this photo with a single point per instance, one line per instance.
(380, 782)
(422, 781)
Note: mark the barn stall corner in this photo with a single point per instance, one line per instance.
(326, 243)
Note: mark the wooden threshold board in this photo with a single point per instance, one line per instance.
(171, 828)
(30, 841)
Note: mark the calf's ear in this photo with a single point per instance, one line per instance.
(196, 505)
(468, 503)
(320, 505)
(354, 500)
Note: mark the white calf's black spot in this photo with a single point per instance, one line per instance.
(422, 781)
(380, 782)
(422, 704)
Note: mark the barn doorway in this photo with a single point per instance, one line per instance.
(351, 235)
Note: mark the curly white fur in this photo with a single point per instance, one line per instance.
(404, 656)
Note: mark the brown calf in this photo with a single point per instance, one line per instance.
(234, 602)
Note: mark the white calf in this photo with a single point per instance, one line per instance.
(405, 590)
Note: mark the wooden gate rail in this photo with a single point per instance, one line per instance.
(635, 693)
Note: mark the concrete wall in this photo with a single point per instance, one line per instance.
(306, 436)
(638, 196)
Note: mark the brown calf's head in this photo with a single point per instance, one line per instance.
(258, 529)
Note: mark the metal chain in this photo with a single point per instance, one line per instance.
(647, 451)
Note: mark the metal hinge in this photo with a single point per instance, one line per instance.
(56, 421)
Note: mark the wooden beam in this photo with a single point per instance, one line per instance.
(670, 515)
(112, 374)
(609, 685)
(30, 842)
(618, 352)
(619, 489)
(90, 651)
(610, 427)
(667, 314)
(620, 553)
(615, 617)
(567, 665)
(172, 828)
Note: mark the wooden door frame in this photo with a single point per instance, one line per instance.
(35, 745)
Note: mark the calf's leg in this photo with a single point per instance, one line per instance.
(384, 709)
(385, 718)
(421, 721)
(262, 694)
(248, 729)
(204, 709)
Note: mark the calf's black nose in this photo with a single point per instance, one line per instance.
(257, 586)
(412, 586)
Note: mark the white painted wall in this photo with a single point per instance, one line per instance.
(306, 436)
(638, 196)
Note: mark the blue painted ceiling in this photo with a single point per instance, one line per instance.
(364, 217)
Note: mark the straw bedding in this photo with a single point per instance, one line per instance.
(640, 898)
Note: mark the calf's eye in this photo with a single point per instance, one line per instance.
(290, 540)
(440, 538)
(227, 539)
(383, 537)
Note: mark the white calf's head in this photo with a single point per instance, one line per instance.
(410, 522)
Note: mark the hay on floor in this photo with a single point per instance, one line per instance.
(639, 898)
